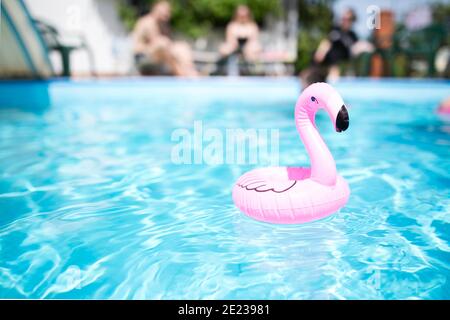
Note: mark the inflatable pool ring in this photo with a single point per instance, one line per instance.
(444, 107)
(293, 194)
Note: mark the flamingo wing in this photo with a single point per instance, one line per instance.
(266, 179)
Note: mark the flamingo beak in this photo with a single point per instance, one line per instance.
(342, 120)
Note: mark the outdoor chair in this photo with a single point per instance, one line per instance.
(64, 46)
(421, 45)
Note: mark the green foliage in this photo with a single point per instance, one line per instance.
(441, 14)
(316, 20)
(196, 18)
(307, 44)
(128, 14)
(400, 66)
(316, 14)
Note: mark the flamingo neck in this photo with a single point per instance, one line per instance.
(323, 167)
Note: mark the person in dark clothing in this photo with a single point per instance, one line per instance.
(340, 48)
(333, 50)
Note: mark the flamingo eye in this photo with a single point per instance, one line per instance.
(313, 99)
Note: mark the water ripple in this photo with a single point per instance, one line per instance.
(92, 207)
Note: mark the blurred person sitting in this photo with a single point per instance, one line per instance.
(154, 46)
(338, 46)
(242, 36)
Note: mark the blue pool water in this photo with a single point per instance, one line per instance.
(91, 205)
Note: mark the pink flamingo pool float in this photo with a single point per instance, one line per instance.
(444, 107)
(294, 194)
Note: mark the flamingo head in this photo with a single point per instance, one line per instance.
(322, 95)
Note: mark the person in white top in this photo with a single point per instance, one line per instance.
(242, 35)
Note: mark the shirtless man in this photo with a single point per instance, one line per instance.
(152, 41)
(242, 34)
